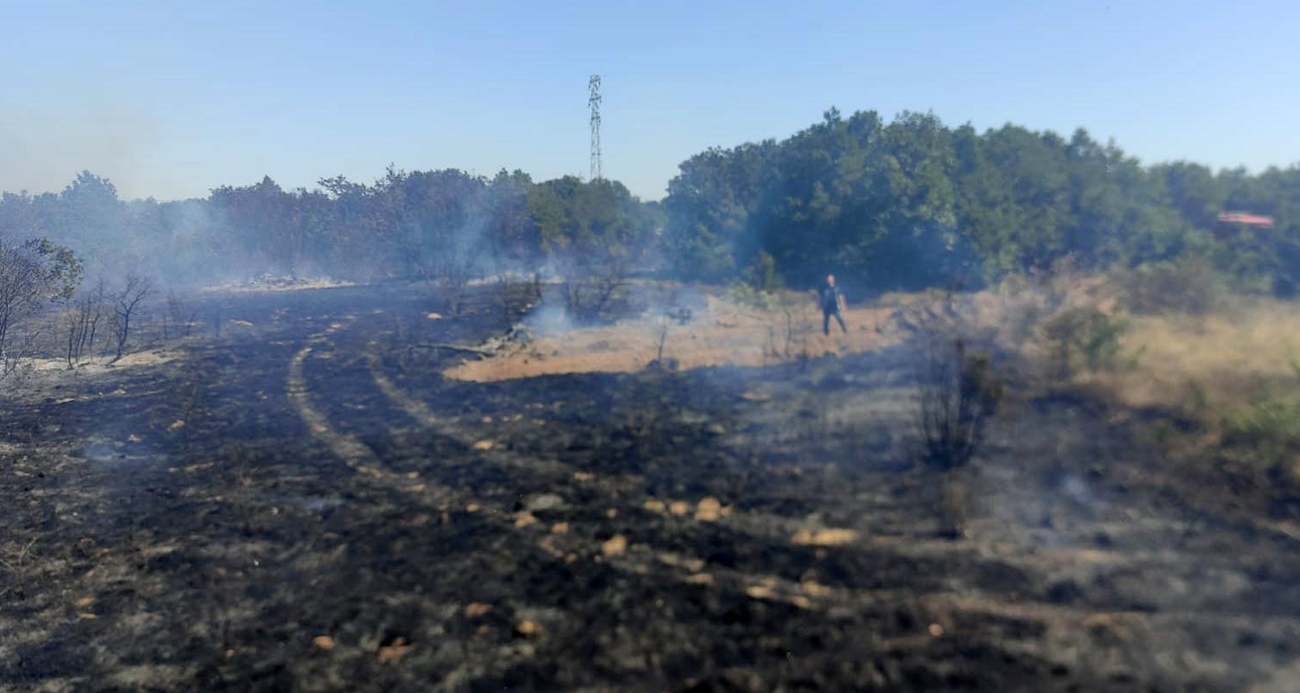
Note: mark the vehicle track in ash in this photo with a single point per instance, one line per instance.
(644, 531)
(568, 536)
(910, 579)
(648, 539)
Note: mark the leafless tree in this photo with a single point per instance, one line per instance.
(590, 284)
(662, 325)
(454, 270)
(81, 324)
(216, 318)
(136, 290)
(180, 315)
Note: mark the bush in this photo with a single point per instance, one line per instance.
(1264, 434)
(744, 294)
(762, 275)
(1085, 334)
(959, 394)
(1187, 285)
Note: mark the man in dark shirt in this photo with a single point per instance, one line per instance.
(832, 302)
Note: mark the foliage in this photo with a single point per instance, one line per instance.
(1085, 334)
(763, 275)
(443, 225)
(1266, 433)
(592, 234)
(884, 205)
(913, 203)
(33, 274)
(1189, 284)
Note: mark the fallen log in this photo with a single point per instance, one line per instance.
(515, 339)
(459, 347)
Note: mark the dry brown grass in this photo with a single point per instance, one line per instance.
(1204, 365)
(723, 333)
(1211, 362)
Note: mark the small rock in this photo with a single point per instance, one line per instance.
(815, 588)
(708, 509)
(476, 609)
(323, 642)
(614, 546)
(825, 537)
(759, 592)
(524, 519)
(544, 501)
(395, 650)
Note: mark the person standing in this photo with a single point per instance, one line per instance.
(832, 304)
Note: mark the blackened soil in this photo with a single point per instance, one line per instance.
(307, 504)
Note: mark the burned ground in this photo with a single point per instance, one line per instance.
(307, 503)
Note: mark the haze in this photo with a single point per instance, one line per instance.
(171, 101)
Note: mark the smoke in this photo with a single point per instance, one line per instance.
(549, 319)
(46, 142)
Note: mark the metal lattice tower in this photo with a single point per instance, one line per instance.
(594, 103)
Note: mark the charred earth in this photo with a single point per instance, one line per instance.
(307, 503)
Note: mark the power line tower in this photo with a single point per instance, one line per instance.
(593, 85)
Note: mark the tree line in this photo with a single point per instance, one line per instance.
(913, 203)
(413, 225)
(907, 203)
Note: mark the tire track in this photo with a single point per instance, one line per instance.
(642, 559)
(347, 447)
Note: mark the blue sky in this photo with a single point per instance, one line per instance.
(170, 99)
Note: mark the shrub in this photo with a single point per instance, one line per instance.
(960, 392)
(1264, 434)
(1186, 285)
(762, 274)
(744, 294)
(1085, 334)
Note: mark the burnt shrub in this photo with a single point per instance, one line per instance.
(959, 393)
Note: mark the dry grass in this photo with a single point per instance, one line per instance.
(1205, 366)
(724, 333)
(1210, 362)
